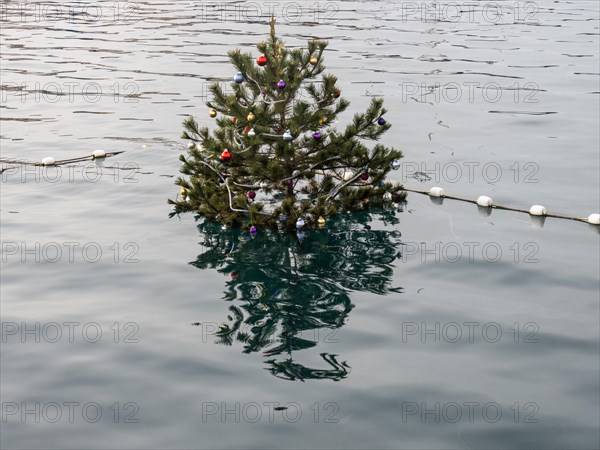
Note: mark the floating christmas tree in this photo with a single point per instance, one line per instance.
(276, 158)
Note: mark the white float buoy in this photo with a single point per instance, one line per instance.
(485, 201)
(348, 176)
(537, 210)
(594, 219)
(48, 161)
(436, 192)
(98, 153)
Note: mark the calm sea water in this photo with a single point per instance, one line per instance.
(437, 326)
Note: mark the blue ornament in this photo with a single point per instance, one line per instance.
(239, 78)
(381, 121)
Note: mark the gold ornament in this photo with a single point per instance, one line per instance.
(314, 61)
(212, 113)
(322, 120)
(183, 191)
(251, 117)
(321, 221)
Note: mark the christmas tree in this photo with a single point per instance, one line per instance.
(276, 158)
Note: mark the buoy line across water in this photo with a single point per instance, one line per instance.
(486, 202)
(50, 161)
(435, 192)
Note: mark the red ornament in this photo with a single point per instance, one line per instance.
(337, 93)
(226, 155)
(233, 119)
(261, 60)
(364, 176)
(251, 195)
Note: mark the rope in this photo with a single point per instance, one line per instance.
(59, 162)
(500, 207)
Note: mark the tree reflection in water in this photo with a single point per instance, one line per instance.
(284, 288)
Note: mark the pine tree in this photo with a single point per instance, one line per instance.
(276, 158)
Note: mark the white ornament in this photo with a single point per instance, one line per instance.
(287, 136)
(437, 192)
(348, 176)
(537, 210)
(300, 223)
(264, 185)
(396, 164)
(48, 161)
(98, 153)
(188, 199)
(594, 219)
(395, 205)
(296, 173)
(387, 196)
(191, 145)
(485, 201)
(251, 133)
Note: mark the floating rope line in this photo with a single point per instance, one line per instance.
(50, 161)
(486, 202)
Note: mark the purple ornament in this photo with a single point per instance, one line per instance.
(253, 230)
(289, 182)
(381, 121)
(364, 176)
(317, 136)
(281, 84)
(251, 195)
